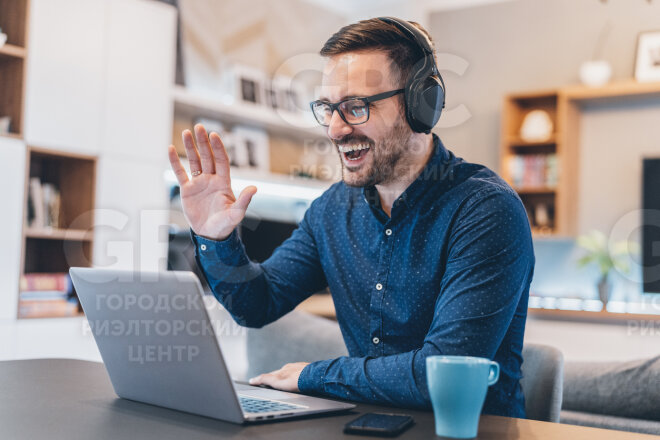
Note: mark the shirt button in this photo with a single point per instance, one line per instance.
(375, 340)
(203, 247)
(379, 286)
(388, 232)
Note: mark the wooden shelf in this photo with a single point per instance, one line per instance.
(535, 190)
(12, 135)
(320, 304)
(516, 141)
(583, 315)
(543, 234)
(59, 234)
(614, 90)
(281, 122)
(50, 315)
(12, 61)
(563, 106)
(11, 50)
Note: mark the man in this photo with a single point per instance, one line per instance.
(424, 253)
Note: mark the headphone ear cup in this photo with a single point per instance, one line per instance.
(429, 100)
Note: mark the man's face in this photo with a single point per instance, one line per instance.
(382, 141)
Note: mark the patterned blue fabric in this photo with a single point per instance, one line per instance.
(448, 273)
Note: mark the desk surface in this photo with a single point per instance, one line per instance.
(70, 399)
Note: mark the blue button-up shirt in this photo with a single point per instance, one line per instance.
(447, 274)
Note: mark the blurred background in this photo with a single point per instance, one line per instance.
(561, 98)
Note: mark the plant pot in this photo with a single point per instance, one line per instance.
(604, 291)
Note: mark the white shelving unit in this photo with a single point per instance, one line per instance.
(193, 103)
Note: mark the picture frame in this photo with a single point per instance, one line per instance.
(272, 96)
(292, 95)
(647, 60)
(252, 148)
(244, 84)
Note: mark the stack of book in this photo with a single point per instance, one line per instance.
(534, 170)
(45, 295)
(43, 210)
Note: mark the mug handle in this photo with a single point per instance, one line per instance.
(494, 373)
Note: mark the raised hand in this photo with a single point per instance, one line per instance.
(208, 201)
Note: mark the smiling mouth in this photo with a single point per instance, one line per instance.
(355, 152)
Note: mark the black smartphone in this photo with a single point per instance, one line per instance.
(381, 424)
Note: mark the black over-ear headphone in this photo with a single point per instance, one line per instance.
(425, 89)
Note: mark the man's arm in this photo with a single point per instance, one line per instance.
(489, 266)
(257, 294)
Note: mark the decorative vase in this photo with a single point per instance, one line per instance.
(595, 73)
(536, 126)
(604, 289)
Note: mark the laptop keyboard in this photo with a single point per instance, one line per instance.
(252, 405)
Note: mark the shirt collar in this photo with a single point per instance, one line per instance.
(437, 168)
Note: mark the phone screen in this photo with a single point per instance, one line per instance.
(376, 423)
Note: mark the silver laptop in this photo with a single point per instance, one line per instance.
(159, 347)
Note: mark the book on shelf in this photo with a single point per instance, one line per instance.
(35, 308)
(38, 281)
(534, 170)
(46, 294)
(43, 204)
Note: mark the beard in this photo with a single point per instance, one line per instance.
(388, 163)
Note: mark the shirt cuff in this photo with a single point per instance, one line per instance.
(218, 249)
(311, 379)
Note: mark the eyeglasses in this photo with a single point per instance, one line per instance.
(353, 111)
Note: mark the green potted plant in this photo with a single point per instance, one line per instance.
(606, 257)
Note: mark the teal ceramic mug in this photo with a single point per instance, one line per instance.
(458, 386)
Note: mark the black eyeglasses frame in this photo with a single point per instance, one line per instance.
(366, 100)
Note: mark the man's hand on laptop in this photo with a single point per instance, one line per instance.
(285, 379)
(208, 201)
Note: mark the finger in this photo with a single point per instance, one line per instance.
(177, 166)
(244, 198)
(191, 152)
(204, 148)
(259, 380)
(220, 155)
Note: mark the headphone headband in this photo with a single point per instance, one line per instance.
(412, 32)
(425, 89)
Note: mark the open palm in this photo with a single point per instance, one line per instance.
(208, 201)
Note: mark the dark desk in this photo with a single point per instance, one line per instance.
(71, 399)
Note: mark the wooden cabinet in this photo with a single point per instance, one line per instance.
(55, 247)
(13, 21)
(559, 200)
(533, 167)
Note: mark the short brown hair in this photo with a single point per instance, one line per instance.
(376, 34)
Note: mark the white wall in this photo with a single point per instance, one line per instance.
(614, 140)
